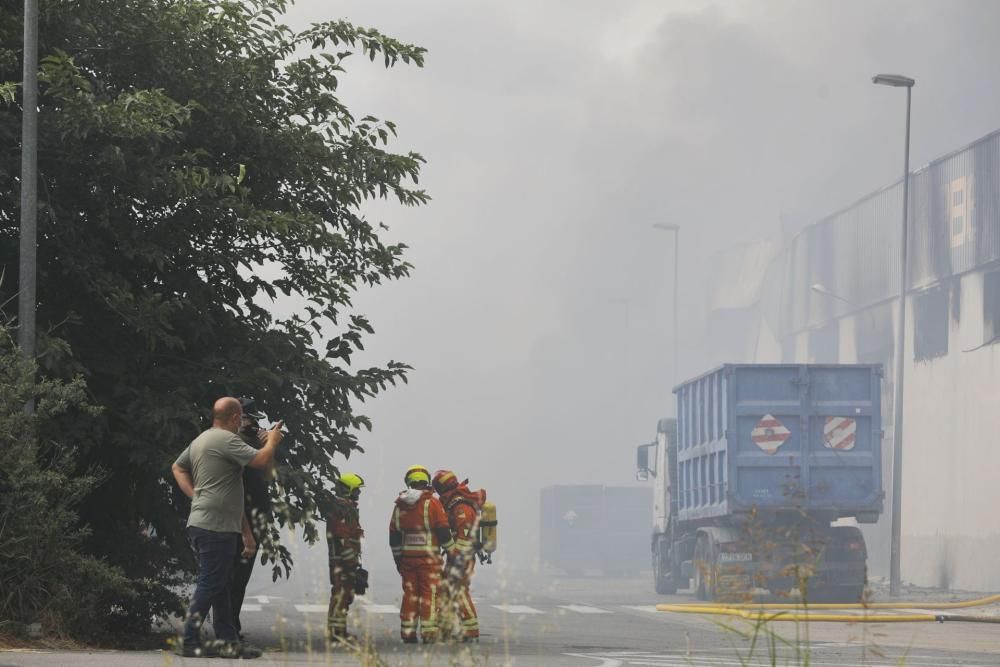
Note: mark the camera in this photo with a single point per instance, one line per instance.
(251, 429)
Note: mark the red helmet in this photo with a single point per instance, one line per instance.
(445, 481)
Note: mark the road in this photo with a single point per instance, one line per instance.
(536, 620)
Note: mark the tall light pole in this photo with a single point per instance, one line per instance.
(29, 184)
(677, 242)
(622, 301)
(897, 81)
(821, 289)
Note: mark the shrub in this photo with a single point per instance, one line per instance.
(44, 575)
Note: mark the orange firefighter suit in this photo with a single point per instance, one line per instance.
(463, 507)
(418, 531)
(343, 537)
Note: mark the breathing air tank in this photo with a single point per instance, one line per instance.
(488, 528)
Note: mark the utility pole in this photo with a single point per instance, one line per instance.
(895, 577)
(676, 308)
(29, 186)
(624, 399)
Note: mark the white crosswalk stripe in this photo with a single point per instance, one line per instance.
(249, 606)
(650, 608)
(583, 609)
(516, 609)
(369, 607)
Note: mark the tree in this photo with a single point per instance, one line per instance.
(195, 166)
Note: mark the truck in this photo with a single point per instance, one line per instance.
(592, 528)
(761, 480)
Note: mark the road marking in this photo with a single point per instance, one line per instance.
(583, 609)
(651, 608)
(648, 659)
(516, 609)
(249, 606)
(606, 662)
(369, 607)
(620, 659)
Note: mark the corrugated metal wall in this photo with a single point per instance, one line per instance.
(854, 253)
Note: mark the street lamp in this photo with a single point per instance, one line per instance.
(29, 186)
(898, 81)
(820, 289)
(677, 242)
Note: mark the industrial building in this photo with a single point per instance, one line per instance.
(829, 294)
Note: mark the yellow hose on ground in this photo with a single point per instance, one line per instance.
(799, 612)
(963, 604)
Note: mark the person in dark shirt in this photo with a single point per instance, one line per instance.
(256, 507)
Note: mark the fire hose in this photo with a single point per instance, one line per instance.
(803, 612)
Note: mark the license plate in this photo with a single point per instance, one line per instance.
(737, 557)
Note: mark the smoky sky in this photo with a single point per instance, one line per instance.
(538, 318)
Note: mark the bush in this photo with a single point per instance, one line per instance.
(44, 575)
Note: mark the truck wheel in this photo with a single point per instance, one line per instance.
(663, 574)
(704, 568)
(849, 587)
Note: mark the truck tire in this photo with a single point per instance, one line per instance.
(704, 568)
(846, 591)
(664, 577)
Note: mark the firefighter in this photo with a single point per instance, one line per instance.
(343, 538)
(463, 509)
(418, 531)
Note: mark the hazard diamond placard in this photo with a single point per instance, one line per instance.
(769, 434)
(839, 432)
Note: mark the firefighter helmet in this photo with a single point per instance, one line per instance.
(445, 481)
(415, 475)
(348, 483)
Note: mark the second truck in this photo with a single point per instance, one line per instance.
(761, 480)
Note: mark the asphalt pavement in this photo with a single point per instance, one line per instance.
(542, 619)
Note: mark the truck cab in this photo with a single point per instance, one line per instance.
(653, 462)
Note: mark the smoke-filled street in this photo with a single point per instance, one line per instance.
(536, 620)
(577, 332)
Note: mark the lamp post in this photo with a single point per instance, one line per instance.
(820, 289)
(624, 399)
(898, 81)
(29, 186)
(677, 242)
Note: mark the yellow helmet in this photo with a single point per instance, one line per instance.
(416, 474)
(348, 483)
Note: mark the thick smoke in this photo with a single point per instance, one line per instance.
(538, 319)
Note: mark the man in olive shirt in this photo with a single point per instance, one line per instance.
(210, 472)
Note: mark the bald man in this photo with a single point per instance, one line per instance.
(210, 472)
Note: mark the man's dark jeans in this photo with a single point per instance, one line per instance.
(242, 569)
(216, 552)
